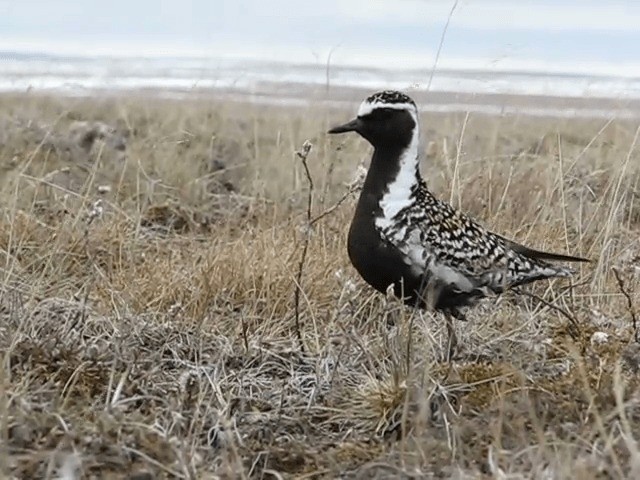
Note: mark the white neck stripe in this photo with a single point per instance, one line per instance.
(398, 194)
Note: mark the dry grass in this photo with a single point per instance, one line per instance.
(147, 321)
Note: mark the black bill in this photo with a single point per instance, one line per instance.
(351, 126)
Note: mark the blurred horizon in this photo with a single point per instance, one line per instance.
(566, 36)
(566, 48)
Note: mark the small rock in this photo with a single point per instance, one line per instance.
(599, 338)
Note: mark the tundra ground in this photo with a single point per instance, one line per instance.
(150, 250)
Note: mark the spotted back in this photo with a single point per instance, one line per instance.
(454, 250)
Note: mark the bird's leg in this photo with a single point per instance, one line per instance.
(452, 339)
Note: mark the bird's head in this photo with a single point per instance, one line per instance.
(385, 119)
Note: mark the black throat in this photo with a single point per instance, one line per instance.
(383, 170)
(377, 261)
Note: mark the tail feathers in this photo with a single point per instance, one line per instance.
(541, 271)
(539, 255)
(553, 257)
(520, 272)
(550, 271)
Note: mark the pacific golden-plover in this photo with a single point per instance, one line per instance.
(403, 236)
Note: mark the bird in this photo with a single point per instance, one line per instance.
(402, 237)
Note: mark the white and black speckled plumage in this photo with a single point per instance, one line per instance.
(401, 235)
(444, 244)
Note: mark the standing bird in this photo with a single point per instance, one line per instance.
(402, 236)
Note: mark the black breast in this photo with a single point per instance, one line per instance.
(378, 262)
(381, 264)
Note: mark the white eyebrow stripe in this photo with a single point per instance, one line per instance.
(366, 108)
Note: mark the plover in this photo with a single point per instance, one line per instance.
(403, 236)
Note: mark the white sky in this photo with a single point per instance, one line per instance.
(588, 34)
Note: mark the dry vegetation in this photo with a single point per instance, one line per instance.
(148, 258)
